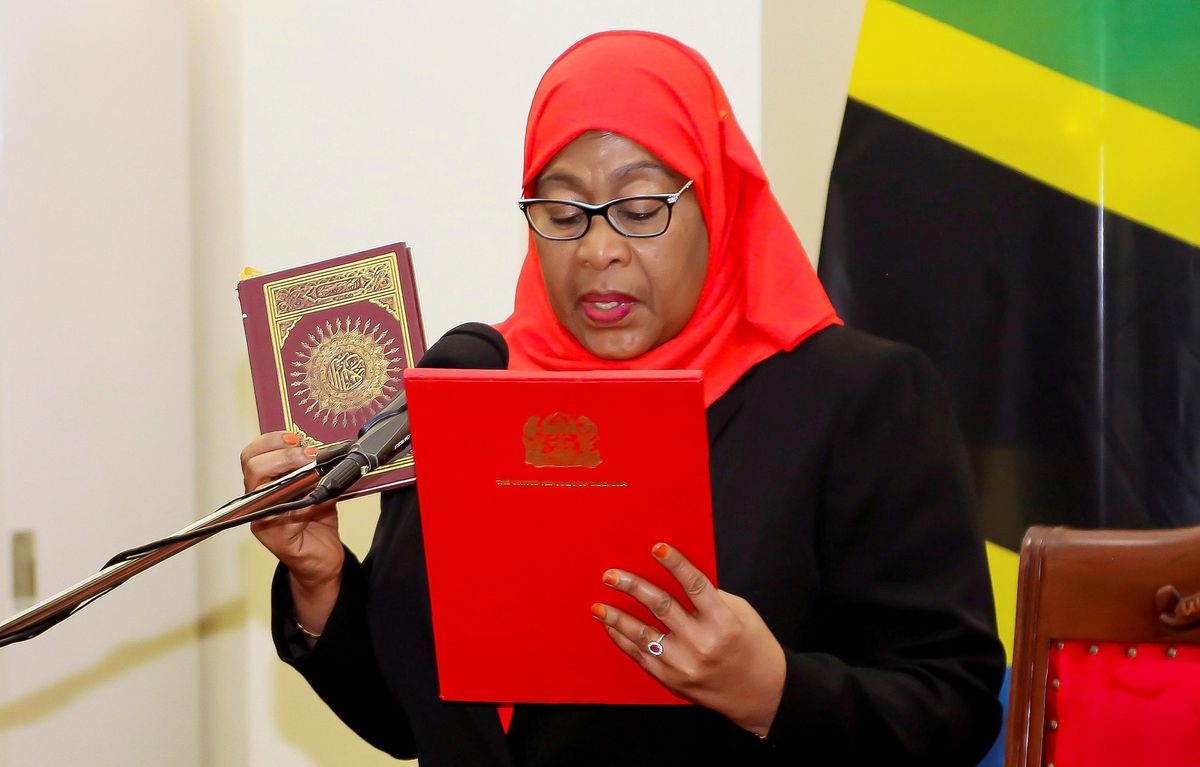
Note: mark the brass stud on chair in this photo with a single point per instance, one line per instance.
(1093, 649)
(1171, 652)
(1131, 652)
(1060, 645)
(1053, 724)
(1055, 683)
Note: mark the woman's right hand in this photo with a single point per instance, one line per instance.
(305, 541)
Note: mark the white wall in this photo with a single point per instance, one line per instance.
(96, 373)
(322, 128)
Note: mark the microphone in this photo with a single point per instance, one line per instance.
(471, 346)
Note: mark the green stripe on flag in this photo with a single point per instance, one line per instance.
(1145, 51)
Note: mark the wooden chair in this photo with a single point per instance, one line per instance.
(1106, 663)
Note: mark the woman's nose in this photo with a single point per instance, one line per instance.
(603, 245)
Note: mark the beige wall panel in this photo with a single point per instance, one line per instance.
(808, 50)
(96, 434)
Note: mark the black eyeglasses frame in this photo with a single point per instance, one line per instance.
(602, 210)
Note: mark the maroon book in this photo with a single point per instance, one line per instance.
(328, 346)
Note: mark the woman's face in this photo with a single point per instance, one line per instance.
(621, 296)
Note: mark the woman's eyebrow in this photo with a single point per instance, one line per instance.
(627, 170)
(620, 174)
(562, 177)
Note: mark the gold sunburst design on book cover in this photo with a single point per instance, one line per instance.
(343, 368)
(344, 371)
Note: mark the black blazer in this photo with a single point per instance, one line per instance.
(842, 510)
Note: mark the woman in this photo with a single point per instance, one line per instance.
(855, 620)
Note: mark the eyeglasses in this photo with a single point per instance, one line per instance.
(643, 215)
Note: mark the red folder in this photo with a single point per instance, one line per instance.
(531, 485)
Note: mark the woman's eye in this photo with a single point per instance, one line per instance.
(565, 218)
(640, 211)
(563, 215)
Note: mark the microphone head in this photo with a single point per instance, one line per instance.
(470, 346)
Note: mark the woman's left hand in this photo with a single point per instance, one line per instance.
(722, 656)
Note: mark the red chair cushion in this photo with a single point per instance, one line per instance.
(1122, 705)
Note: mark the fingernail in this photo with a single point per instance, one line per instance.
(598, 612)
(611, 578)
(661, 550)
(291, 438)
(311, 452)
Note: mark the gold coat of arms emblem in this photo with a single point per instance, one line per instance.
(561, 439)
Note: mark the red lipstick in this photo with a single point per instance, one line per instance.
(606, 308)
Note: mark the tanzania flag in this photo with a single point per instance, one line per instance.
(1017, 192)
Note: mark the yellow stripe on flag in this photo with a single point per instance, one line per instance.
(1088, 143)
(1003, 565)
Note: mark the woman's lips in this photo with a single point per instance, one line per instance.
(606, 308)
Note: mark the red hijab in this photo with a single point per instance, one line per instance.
(760, 294)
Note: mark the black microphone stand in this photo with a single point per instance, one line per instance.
(32, 621)
(381, 440)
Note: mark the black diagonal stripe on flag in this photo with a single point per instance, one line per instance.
(1070, 337)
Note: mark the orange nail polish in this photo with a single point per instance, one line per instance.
(611, 578)
(598, 612)
(291, 438)
(661, 550)
(311, 452)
